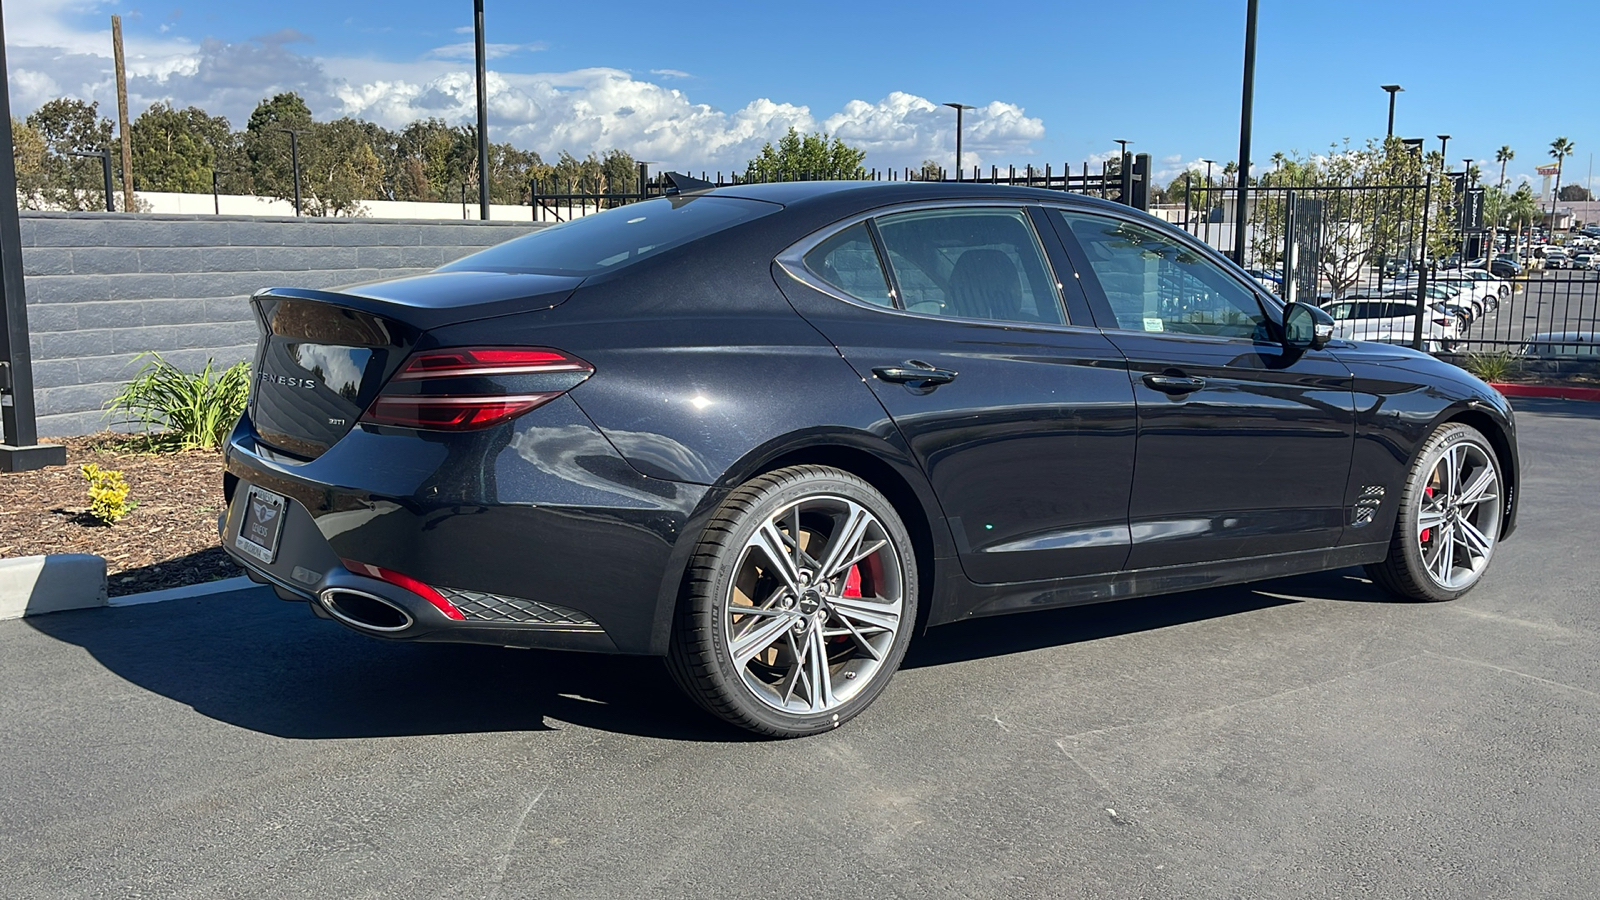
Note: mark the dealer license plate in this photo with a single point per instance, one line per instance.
(262, 523)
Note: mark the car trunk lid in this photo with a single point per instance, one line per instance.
(324, 356)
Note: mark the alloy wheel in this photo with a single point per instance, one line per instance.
(1459, 516)
(816, 602)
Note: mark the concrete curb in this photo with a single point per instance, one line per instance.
(186, 592)
(35, 585)
(1548, 392)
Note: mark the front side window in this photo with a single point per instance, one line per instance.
(973, 263)
(1154, 283)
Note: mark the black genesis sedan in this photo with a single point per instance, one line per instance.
(771, 432)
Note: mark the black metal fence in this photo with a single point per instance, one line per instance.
(561, 200)
(1412, 243)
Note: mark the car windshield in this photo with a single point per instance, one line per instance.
(610, 240)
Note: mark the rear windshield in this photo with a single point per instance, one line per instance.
(607, 241)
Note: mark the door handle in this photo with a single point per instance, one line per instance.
(1175, 384)
(915, 371)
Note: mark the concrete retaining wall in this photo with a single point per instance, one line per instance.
(103, 288)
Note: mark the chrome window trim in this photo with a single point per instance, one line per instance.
(792, 262)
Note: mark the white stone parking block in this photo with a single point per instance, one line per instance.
(33, 585)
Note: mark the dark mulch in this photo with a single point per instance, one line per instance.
(170, 538)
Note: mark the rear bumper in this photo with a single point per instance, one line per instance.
(537, 532)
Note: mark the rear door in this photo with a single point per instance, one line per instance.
(1244, 447)
(1019, 410)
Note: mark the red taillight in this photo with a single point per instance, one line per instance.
(1441, 321)
(532, 376)
(407, 583)
(447, 413)
(456, 361)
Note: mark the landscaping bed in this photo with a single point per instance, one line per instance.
(168, 540)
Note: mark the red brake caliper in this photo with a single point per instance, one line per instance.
(852, 583)
(1426, 492)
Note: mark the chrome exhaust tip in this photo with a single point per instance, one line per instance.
(367, 612)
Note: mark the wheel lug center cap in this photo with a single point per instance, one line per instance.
(810, 602)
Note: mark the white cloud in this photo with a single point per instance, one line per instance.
(490, 51)
(581, 112)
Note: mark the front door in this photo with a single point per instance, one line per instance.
(1022, 419)
(1244, 447)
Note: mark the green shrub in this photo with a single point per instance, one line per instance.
(108, 494)
(184, 410)
(1495, 367)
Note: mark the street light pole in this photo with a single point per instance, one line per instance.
(20, 450)
(105, 169)
(1444, 141)
(483, 113)
(1124, 172)
(294, 161)
(1392, 89)
(959, 108)
(1246, 103)
(216, 195)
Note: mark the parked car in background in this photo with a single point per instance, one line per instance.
(1563, 343)
(1481, 295)
(1586, 261)
(1503, 266)
(1502, 289)
(1556, 258)
(1392, 321)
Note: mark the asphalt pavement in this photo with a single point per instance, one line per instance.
(1303, 738)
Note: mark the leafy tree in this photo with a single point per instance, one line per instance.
(1574, 192)
(28, 152)
(930, 171)
(425, 153)
(267, 146)
(808, 158)
(176, 150)
(338, 168)
(72, 126)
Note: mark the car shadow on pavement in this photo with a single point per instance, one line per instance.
(251, 660)
(257, 662)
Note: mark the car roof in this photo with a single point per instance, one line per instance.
(875, 193)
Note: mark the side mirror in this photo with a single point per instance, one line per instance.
(1306, 327)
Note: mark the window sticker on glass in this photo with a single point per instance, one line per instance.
(1151, 324)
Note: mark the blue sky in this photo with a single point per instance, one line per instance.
(701, 86)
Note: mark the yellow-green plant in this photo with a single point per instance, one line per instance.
(108, 494)
(184, 410)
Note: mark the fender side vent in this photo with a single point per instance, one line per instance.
(1367, 507)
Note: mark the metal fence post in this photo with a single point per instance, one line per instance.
(20, 450)
(1422, 274)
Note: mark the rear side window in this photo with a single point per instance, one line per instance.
(972, 263)
(610, 240)
(849, 262)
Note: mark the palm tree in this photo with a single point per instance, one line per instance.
(1502, 156)
(1560, 148)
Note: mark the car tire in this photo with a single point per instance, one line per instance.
(1449, 518)
(824, 633)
